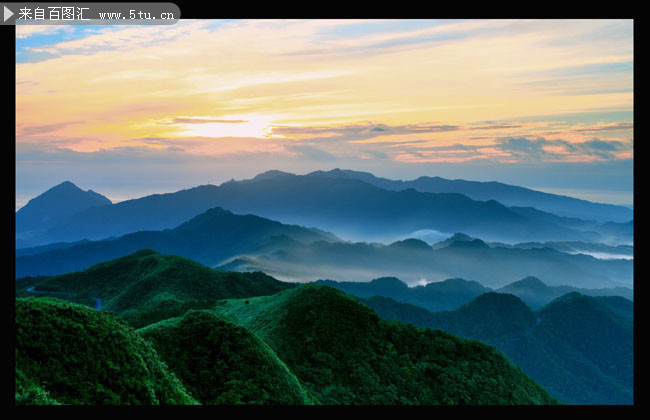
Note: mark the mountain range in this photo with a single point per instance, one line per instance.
(416, 262)
(451, 294)
(208, 238)
(198, 296)
(509, 195)
(293, 253)
(349, 207)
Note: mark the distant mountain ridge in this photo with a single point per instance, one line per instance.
(451, 294)
(437, 296)
(349, 206)
(509, 195)
(536, 294)
(414, 261)
(208, 238)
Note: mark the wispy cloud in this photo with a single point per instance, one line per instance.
(26, 31)
(522, 149)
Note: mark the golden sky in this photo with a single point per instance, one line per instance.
(503, 91)
(258, 80)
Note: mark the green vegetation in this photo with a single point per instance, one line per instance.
(493, 316)
(579, 348)
(71, 354)
(222, 363)
(147, 287)
(594, 346)
(345, 354)
(215, 337)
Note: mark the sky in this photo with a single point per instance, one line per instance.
(133, 110)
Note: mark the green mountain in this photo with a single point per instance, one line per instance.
(301, 345)
(577, 347)
(490, 317)
(594, 342)
(71, 354)
(147, 287)
(343, 353)
(222, 363)
(536, 294)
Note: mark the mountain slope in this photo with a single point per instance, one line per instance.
(70, 354)
(578, 348)
(508, 195)
(146, 287)
(344, 354)
(208, 238)
(221, 363)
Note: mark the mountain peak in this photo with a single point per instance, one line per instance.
(569, 297)
(66, 188)
(456, 284)
(459, 236)
(65, 184)
(474, 244)
(55, 205)
(334, 173)
(529, 282)
(389, 282)
(505, 304)
(272, 174)
(456, 237)
(411, 243)
(206, 216)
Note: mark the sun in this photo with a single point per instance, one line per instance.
(249, 126)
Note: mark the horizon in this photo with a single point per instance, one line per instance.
(542, 104)
(587, 195)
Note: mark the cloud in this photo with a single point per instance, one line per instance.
(117, 38)
(26, 31)
(359, 132)
(35, 130)
(372, 93)
(554, 150)
(606, 127)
